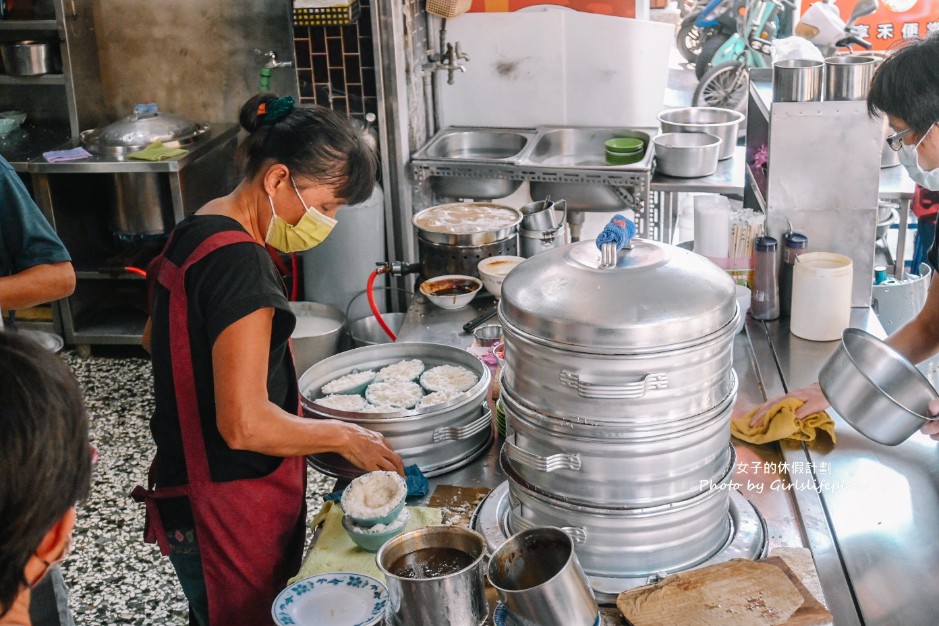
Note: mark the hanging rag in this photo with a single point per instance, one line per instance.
(413, 476)
(334, 551)
(59, 156)
(156, 151)
(781, 423)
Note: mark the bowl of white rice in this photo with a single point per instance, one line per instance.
(354, 382)
(374, 498)
(448, 378)
(407, 369)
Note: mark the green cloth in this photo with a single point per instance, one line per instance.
(156, 151)
(334, 551)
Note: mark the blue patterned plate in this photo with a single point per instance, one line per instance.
(501, 616)
(333, 599)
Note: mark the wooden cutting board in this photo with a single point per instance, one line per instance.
(738, 592)
(458, 503)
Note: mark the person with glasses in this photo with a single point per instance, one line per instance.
(45, 469)
(226, 500)
(905, 89)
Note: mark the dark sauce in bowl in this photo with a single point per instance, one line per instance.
(449, 287)
(431, 563)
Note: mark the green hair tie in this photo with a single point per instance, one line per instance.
(277, 109)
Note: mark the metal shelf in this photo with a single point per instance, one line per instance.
(18, 25)
(32, 81)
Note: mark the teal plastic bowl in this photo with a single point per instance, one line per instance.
(7, 125)
(371, 542)
(368, 522)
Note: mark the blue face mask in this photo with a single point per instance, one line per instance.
(909, 158)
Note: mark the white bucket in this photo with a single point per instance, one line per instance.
(821, 296)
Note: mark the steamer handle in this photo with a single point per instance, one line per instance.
(616, 235)
(587, 388)
(464, 432)
(577, 534)
(552, 463)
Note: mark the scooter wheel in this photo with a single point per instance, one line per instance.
(724, 86)
(688, 41)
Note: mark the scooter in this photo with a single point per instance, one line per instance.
(822, 25)
(750, 41)
(725, 84)
(710, 18)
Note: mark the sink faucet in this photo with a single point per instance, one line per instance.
(448, 61)
(271, 63)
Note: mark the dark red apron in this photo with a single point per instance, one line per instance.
(250, 532)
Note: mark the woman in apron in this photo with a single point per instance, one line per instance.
(226, 493)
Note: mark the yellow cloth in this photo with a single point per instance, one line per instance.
(781, 423)
(156, 151)
(335, 552)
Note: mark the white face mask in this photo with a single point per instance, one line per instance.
(909, 158)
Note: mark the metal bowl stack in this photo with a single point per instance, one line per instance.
(618, 391)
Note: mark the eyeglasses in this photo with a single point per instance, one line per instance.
(895, 141)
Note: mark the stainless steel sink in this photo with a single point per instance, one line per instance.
(582, 147)
(477, 144)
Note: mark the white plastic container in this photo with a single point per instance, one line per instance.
(821, 296)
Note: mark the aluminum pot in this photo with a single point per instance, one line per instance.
(687, 155)
(633, 389)
(540, 580)
(136, 131)
(629, 542)
(457, 598)
(876, 389)
(31, 58)
(437, 439)
(541, 215)
(723, 123)
(141, 203)
(618, 465)
(532, 242)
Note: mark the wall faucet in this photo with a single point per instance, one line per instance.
(448, 60)
(265, 82)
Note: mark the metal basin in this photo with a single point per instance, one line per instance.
(476, 144)
(582, 147)
(580, 196)
(473, 188)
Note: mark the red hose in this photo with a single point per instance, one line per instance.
(371, 303)
(135, 270)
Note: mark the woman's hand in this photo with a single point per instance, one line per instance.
(812, 396)
(369, 450)
(931, 428)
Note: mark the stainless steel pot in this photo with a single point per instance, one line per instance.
(623, 543)
(798, 80)
(31, 58)
(618, 465)
(687, 155)
(723, 123)
(540, 580)
(437, 439)
(457, 599)
(532, 242)
(848, 77)
(139, 130)
(875, 389)
(141, 203)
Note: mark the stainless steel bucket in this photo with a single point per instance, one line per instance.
(723, 123)
(531, 242)
(540, 580)
(636, 466)
(629, 542)
(848, 77)
(798, 80)
(457, 598)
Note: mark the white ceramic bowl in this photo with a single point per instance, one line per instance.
(494, 269)
(743, 302)
(451, 291)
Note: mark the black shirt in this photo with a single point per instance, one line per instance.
(225, 286)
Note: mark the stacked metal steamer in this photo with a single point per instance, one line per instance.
(618, 390)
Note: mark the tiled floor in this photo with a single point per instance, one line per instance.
(113, 577)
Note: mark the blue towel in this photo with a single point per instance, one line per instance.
(57, 156)
(413, 476)
(619, 231)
